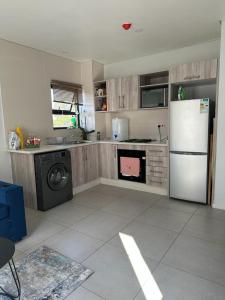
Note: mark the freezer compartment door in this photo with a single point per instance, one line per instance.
(188, 126)
(188, 177)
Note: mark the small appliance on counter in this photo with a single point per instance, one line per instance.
(14, 141)
(119, 129)
(33, 142)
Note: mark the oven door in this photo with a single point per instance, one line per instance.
(132, 165)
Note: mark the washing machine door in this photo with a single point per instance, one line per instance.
(58, 177)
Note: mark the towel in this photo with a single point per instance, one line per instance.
(130, 166)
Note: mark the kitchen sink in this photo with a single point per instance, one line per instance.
(62, 141)
(76, 142)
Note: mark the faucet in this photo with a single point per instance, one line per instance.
(84, 132)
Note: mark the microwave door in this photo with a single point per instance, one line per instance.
(154, 97)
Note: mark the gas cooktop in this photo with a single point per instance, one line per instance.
(138, 141)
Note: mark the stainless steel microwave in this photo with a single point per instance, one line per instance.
(154, 97)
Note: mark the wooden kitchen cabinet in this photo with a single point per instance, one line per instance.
(130, 92)
(92, 162)
(123, 93)
(84, 163)
(23, 173)
(113, 93)
(78, 165)
(108, 161)
(201, 70)
(156, 165)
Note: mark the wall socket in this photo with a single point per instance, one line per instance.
(161, 125)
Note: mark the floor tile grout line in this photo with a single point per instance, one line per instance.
(177, 210)
(39, 242)
(217, 242)
(83, 261)
(89, 290)
(106, 242)
(61, 231)
(190, 273)
(160, 261)
(152, 205)
(178, 235)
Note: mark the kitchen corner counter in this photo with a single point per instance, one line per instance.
(51, 148)
(155, 143)
(42, 149)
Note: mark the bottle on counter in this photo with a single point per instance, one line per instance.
(14, 141)
(19, 132)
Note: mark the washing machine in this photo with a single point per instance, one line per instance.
(53, 179)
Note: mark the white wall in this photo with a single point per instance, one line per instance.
(25, 101)
(162, 61)
(142, 124)
(5, 162)
(219, 191)
(25, 76)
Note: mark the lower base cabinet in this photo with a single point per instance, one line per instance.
(89, 162)
(157, 165)
(85, 164)
(108, 161)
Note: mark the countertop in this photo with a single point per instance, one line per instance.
(50, 148)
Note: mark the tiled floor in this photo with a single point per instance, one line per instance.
(182, 244)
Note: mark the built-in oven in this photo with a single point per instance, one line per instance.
(131, 165)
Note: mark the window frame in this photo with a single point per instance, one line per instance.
(66, 86)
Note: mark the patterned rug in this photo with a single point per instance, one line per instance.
(45, 275)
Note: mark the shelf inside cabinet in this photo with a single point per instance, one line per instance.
(154, 85)
(153, 79)
(100, 96)
(103, 96)
(154, 90)
(195, 91)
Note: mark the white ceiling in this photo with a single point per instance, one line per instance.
(84, 29)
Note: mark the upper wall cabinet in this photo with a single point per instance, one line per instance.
(123, 93)
(113, 91)
(202, 70)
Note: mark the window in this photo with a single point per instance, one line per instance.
(66, 104)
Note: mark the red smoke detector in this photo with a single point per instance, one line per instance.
(126, 26)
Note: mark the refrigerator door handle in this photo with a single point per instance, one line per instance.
(188, 153)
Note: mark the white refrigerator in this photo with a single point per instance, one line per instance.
(189, 140)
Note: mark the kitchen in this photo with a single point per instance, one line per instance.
(151, 153)
(115, 157)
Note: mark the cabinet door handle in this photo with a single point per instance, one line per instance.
(123, 102)
(191, 77)
(119, 102)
